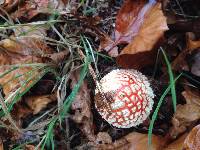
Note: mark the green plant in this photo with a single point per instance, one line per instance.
(48, 138)
(171, 87)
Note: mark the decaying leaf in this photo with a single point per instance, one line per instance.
(151, 30)
(9, 5)
(177, 144)
(134, 141)
(37, 103)
(128, 20)
(191, 42)
(106, 43)
(140, 25)
(192, 141)
(29, 147)
(103, 138)
(82, 107)
(29, 9)
(18, 51)
(186, 114)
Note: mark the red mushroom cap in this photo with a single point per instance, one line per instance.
(125, 98)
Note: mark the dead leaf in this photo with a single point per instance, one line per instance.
(151, 30)
(137, 61)
(140, 25)
(29, 9)
(106, 43)
(186, 114)
(177, 144)
(134, 141)
(127, 21)
(31, 147)
(37, 103)
(9, 5)
(103, 138)
(19, 51)
(82, 107)
(139, 141)
(192, 141)
(192, 43)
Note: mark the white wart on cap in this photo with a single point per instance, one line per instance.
(124, 98)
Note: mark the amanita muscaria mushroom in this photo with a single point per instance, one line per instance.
(124, 98)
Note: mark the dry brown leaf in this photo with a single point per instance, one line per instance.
(82, 107)
(104, 138)
(106, 43)
(139, 24)
(127, 22)
(191, 42)
(186, 114)
(192, 141)
(177, 144)
(37, 103)
(9, 5)
(139, 141)
(134, 141)
(151, 30)
(20, 51)
(137, 61)
(29, 9)
(30, 147)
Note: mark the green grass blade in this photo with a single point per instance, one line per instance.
(171, 78)
(154, 116)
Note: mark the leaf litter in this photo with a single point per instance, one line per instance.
(41, 64)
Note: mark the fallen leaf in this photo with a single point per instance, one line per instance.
(37, 103)
(127, 21)
(19, 51)
(134, 141)
(29, 9)
(139, 141)
(192, 141)
(192, 44)
(9, 5)
(103, 138)
(151, 30)
(141, 25)
(82, 107)
(137, 61)
(186, 114)
(106, 43)
(177, 144)
(29, 147)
